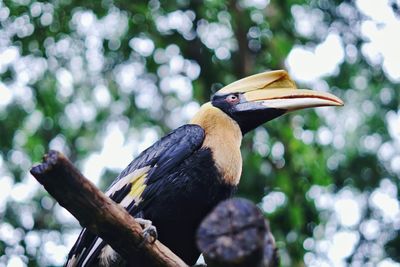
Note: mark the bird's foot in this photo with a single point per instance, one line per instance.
(149, 231)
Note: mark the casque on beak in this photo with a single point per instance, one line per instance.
(268, 95)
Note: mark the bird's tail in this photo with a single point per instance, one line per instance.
(85, 251)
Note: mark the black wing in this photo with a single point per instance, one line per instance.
(138, 178)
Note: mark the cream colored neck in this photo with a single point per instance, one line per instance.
(223, 137)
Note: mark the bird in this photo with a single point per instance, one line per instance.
(176, 182)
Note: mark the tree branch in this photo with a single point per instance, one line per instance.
(235, 234)
(95, 211)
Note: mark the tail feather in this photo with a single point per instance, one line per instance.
(85, 250)
(92, 254)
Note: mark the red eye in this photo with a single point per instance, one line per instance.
(232, 99)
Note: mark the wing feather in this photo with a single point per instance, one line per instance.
(138, 177)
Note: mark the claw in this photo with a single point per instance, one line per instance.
(149, 231)
(150, 234)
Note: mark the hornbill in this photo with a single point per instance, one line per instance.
(178, 180)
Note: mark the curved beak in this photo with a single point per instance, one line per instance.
(289, 99)
(276, 90)
(268, 95)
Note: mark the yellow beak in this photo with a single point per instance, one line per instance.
(292, 99)
(275, 89)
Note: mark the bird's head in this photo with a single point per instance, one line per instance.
(259, 98)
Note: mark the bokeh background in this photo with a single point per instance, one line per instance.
(102, 80)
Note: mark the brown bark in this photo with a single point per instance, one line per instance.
(235, 234)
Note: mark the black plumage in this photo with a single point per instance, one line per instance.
(181, 187)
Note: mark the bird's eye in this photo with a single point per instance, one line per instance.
(232, 99)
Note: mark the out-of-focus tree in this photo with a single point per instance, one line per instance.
(102, 80)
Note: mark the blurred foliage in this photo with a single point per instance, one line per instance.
(72, 71)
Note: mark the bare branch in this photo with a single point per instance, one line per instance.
(235, 234)
(98, 213)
